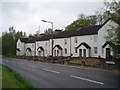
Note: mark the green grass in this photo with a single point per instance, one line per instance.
(0, 76)
(11, 79)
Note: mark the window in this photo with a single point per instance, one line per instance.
(95, 38)
(95, 50)
(46, 43)
(65, 41)
(109, 31)
(65, 51)
(75, 39)
(75, 50)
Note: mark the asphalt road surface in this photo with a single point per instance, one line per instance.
(42, 75)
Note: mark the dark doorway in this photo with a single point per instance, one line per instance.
(84, 51)
(107, 53)
(57, 52)
(39, 53)
(80, 53)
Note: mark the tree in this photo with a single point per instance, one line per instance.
(8, 44)
(48, 31)
(101, 16)
(113, 10)
(9, 40)
(82, 20)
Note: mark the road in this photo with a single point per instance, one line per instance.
(42, 75)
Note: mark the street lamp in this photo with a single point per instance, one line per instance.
(52, 33)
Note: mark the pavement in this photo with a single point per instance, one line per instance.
(46, 75)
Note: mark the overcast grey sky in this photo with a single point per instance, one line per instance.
(27, 16)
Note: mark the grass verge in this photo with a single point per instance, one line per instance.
(11, 79)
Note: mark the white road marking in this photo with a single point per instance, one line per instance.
(87, 79)
(19, 63)
(32, 66)
(51, 71)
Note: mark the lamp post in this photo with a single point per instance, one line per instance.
(51, 35)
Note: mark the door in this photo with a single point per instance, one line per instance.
(107, 53)
(57, 52)
(39, 53)
(84, 53)
(80, 53)
(54, 52)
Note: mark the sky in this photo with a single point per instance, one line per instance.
(27, 15)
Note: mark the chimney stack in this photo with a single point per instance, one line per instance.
(58, 31)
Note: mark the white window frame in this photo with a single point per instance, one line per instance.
(65, 50)
(95, 50)
(65, 40)
(95, 39)
(75, 50)
(76, 40)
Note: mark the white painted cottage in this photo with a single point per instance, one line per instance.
(30, 46)
(104, 49)
(42, 45)
(20, 50)
(26, 46)
(89, 41)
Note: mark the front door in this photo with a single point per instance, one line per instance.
(39, 53)
(84, 51)
(107, 53)
(57, 52)
(80, 53)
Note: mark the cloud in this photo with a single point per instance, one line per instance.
(27, 16)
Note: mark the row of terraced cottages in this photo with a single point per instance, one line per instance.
(89, 41)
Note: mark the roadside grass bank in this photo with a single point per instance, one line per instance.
(0, 76)
(11, 79)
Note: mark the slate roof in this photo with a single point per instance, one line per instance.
(43, 38)
(28, 40)
(23, 39)
(88, 30)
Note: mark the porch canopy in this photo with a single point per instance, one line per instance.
(40, 49)
(28, 49)
(58, 46)
(84, 44)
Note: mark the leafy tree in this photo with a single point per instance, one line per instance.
(9, 40)
(48, 31)
(82, 20)
(113, 10)
(101, 16)
(8, 44)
